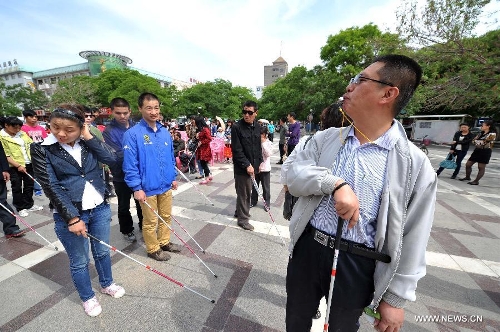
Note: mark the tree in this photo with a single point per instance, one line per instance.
(461, 71)
(210, 99)
(351, 50)
(130, 84)
(16, 98)
(75, 90)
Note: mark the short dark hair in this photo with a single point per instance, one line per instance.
(29, 113)
(13, 121)
(71, 112)
(118, 102)
(464, 124)
(251, 103)
(332, 116)
(404, 73)
(283, 119)
(293, 115)
(146, 96)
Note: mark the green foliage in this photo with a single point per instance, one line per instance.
(75, 90)
(461, 71)
(351, 50)
(129, 84)
(16, 98)
(210, 99)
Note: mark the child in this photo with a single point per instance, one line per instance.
(264, 174)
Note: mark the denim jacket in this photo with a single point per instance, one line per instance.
(62, 179)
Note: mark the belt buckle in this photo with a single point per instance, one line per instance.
(321, 238)
(331, 242)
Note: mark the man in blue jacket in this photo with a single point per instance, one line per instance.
(149, 167)
(113, 136)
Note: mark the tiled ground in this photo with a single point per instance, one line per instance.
(37, 293)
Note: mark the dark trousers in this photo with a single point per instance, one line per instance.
(282, 151)
(204, 165)
(263, 178)
(22, 188)
(270, 136)
(124, 193)
(289, 149)
(243, 185)
(8, 220)
(308, 280)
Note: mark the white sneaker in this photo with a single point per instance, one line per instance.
(35, 208)
(114, 290)
(92, 307)
(23, 213)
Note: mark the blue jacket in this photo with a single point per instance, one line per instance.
(62, 179)
(148, 159)
(113, 136)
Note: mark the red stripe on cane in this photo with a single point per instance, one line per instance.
(113, 248)
(148, 267)
(334, 272)
(325, 327)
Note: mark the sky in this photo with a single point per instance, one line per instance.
(200, 39)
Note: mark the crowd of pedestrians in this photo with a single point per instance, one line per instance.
(78, 168)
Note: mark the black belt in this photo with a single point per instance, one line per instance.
(348, 246)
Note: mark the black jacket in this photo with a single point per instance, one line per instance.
(246, 146)
(465, 142)
(4, 164)
(63, 179)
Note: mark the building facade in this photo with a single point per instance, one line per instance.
(97, 62)
(278, 69)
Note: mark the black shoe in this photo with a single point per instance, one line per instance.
(159, 255)
(266, 208)
(140, 225)
(252, 205)
(18, 233)
(464, 179)
(453, 177)
(235, 214)
(279, 163)
(171, 247)
(246, 226)
(474, 183)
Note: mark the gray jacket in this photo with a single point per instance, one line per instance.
(405, 216)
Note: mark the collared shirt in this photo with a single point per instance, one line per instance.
(91, 197)
(363, 167)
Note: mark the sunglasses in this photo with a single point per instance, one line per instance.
(248, 112)
(89, 116)
(359, 78)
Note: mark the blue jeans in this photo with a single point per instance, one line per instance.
(97, 221)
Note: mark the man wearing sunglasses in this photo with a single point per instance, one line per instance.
(247, 156)
(371, 176)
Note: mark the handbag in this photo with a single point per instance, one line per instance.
(449, 162)
(192, 144)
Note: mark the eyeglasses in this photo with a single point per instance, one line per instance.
(358, 79)
(248, 112)
(89, 116)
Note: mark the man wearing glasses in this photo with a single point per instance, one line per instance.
(247, 156)
(371, 176)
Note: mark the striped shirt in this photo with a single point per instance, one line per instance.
(363, 167)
